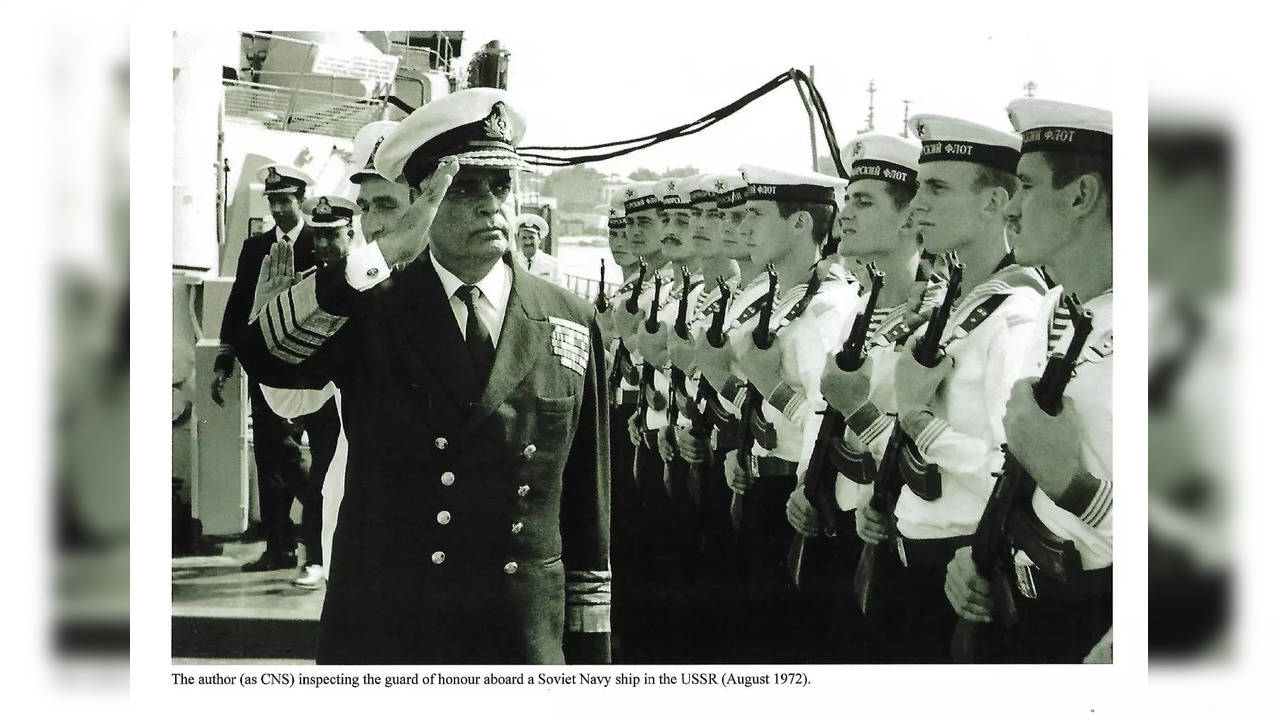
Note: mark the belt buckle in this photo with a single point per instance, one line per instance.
(1025, 576)
(900, 551)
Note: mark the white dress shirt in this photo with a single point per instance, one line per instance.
(289, 237)
(543, 265)
(494, 293)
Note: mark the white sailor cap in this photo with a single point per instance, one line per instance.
(948, 138)
(277, 178)
(367, 141)
(677, 192)
(533, 221)
(640, 196)
(329, 211)
(728, 188)
(882, 157)
(780, 186)
(1058, 126)
(706, 189)
(478, 126)
(617, 210)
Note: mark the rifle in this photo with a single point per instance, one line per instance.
(601, 300)
(632, 306)
(701, 421)
(762, 338)
(677, 379)
(887, 486)
(648, 378)
(818, 482)
(991, 549)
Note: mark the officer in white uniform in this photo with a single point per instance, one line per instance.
(532, 230)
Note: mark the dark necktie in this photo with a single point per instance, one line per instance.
(530, 264)
(478, 342)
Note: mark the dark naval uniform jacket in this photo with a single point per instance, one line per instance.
(474, 527)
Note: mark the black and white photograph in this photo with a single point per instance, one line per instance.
(476, 363)
(640, 359)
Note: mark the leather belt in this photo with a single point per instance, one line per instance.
(768, 466)
(627, 397)
(934, 551)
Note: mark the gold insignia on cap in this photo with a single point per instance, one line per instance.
(720, 185)
(272, 176)
(922, 130)
(630, 193)
(670, 186)
(496, 125)
(373, 153)
(858, 150)
(322, 207)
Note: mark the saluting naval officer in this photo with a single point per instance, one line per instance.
(531, 231)
(1061, 218)
(282, 469)
(475, 523)
(952, 413)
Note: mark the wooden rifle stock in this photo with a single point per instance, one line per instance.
(991, 551)
(762, 338)
(819, 480)
(867, 581)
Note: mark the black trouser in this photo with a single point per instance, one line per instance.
(1057, 627)
(284, 472)
(627, 538)
(771, 602)
(661, 592)
(833, 629)
(916, 623)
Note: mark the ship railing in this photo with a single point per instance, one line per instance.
(586, 287)
(289, 96)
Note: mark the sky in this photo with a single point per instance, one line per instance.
(624, 71)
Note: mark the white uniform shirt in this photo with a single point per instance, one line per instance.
(543, 265)
(1091, 390)
(494, 291)
(654, 419)
(965, 438)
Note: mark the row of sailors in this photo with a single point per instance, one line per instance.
(712, 444)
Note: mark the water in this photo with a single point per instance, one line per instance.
(582, 260)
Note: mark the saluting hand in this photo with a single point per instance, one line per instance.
(275, 276)
(1047, 446)
(846, 391)
(969, 594)
(411, 234)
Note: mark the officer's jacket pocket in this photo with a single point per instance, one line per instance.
(555, 405)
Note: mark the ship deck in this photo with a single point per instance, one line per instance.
(221, 613)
